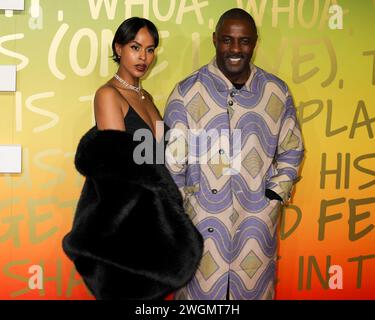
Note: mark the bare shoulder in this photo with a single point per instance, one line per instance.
(106, 94)
(108, 108)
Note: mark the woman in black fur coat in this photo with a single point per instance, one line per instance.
(130, 237)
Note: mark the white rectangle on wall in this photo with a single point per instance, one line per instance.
(10, 158)
(8, 77)
(12, 4)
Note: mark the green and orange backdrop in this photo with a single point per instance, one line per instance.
(327, 244)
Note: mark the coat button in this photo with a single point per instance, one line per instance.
(232, 94)
(221, 151)
(214, 191)
(210, 230)
(230, 102)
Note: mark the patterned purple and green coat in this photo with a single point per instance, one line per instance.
(259, 147)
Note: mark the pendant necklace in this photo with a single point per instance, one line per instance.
(130, 86)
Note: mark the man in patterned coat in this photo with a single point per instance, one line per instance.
(234, 152)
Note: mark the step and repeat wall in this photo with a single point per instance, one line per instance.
(323, 49)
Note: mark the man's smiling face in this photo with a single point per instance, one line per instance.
(235, 41)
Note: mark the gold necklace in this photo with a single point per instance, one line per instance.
(130, 86)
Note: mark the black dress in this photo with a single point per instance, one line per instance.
(130, 238)
(134, 122)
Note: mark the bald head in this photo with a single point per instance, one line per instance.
(236, 14)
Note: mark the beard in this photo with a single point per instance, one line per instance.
(234, 65)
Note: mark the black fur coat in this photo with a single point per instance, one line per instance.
(131, 238)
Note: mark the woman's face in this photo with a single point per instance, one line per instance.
(137, 55)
